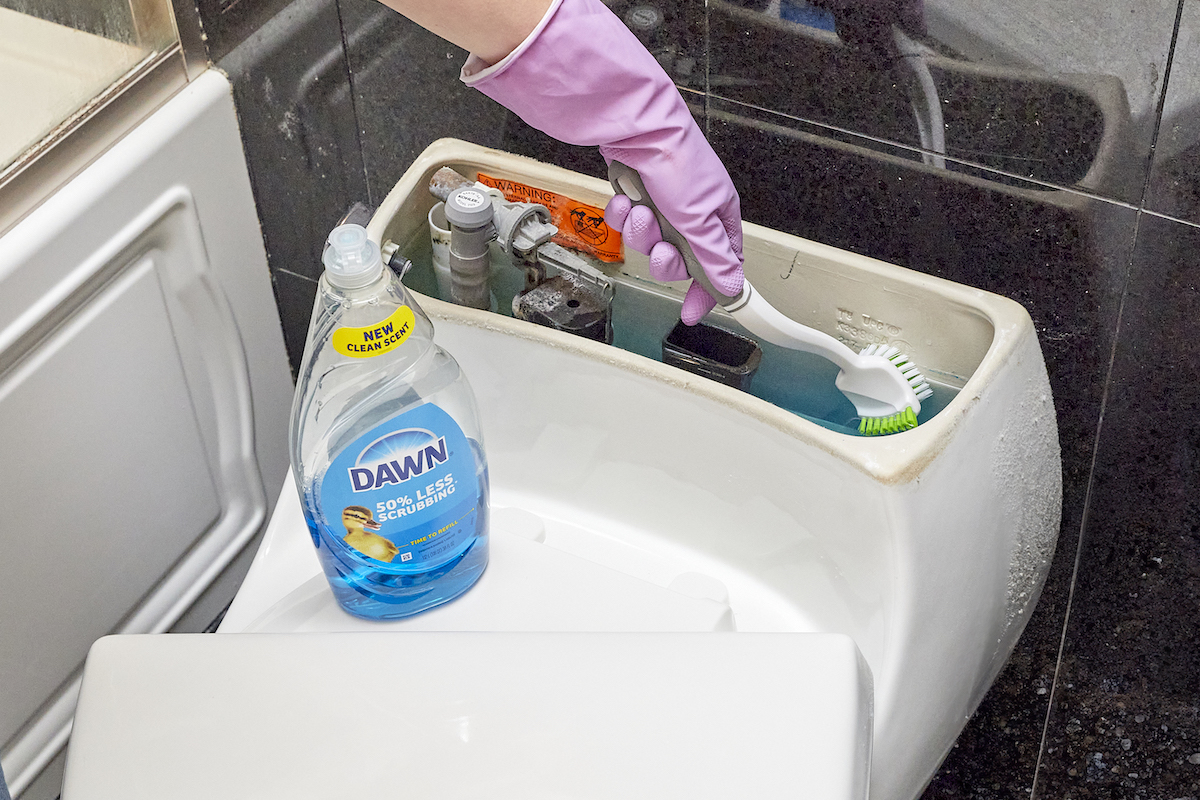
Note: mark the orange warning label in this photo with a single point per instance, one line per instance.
(580, 226)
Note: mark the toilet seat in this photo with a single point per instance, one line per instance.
(470, 715)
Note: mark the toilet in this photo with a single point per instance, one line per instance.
(869, 589)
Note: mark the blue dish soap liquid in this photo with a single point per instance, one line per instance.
(386, 445)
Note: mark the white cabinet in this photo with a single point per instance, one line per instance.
(144, 394)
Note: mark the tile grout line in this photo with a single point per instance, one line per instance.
(362, 157)
(707, 74)
(294, 275)
(1162, 104)
(1083, 522)
(869, 140)
(1112, 358)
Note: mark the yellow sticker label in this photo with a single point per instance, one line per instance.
(377, 339)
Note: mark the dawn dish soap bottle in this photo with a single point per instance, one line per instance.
(386, 445)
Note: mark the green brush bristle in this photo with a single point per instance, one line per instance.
(881, 426)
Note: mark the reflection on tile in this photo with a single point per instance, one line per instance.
(1068, 132)
(1127, 39)
(1126, 719)
(1175, 178)
(1014, 115)
(1061, 255)
(806, 72)
(408, 94)
(294, 295)
(229, 23)
(296, 115)
(673, 31)
(523, 140)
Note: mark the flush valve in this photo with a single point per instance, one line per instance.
(576, 299)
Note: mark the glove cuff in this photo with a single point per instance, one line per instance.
(476, 69)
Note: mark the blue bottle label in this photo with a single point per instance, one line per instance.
(403, 497)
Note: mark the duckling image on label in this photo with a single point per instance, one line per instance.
(402, 498)
(357, 519)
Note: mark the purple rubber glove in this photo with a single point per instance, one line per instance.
(584, 78)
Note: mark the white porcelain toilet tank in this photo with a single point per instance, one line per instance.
(636, 509)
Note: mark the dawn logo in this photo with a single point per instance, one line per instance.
(397, 457)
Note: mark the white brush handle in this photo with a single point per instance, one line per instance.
(759, 317)
(748, 307)
(873, 383)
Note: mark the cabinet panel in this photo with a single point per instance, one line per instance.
(113, 483)
(144, 393)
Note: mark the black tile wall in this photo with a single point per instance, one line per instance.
(295, 295)
(1175, 179)
(674, 32)
(227, 23)
(805, 71)
(407, 92)
(1043, 195)
(296, 111)
(1062, 255)
(1126, 714)
(1008, 91)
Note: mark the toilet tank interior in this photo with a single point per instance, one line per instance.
(855, 299)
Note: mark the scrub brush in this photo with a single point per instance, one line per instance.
(885, 387)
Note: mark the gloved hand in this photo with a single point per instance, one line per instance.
(584, 78)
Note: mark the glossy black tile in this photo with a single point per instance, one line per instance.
(998, 86)
(674, 32)
(228, 23)
(1174, 187)
(296, 113)
(1064, 256)
(294, 295)
(807, 72)
(523, 140)
(1126, 717)
(407, 92)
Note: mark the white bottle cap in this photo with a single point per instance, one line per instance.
(352, 261)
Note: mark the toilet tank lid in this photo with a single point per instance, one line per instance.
(495, 715)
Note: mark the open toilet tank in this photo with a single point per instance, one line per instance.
(629, 495)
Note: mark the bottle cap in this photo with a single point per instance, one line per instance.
(468, 208)
(352, 260)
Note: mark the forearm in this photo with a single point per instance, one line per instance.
(491, 29)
